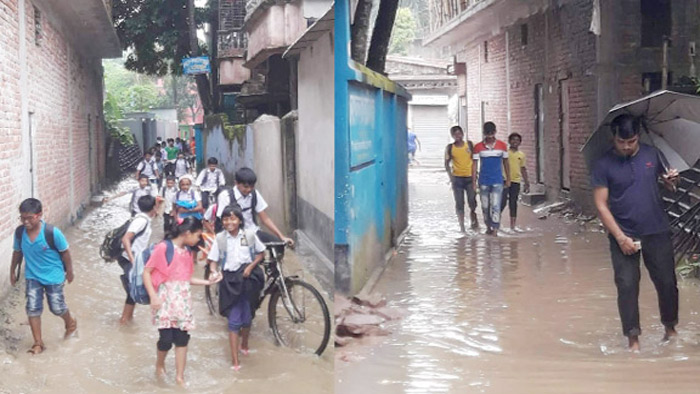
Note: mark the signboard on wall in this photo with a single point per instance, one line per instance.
(362, 119)
(196, 65)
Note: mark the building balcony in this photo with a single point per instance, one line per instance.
(451, 21)
(272, 30)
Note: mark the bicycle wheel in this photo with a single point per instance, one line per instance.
(300, 321)
(207, 292)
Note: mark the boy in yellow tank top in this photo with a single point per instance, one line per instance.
(459, 165)
(518, 174)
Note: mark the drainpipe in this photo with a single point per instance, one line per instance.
(664, 64)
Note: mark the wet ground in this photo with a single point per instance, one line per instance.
(527, 312)
(106, 358)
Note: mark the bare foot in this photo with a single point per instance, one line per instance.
(670, 333)
(634, 344)
(71, 328)
(37, 348)
(160, 373)
(181, 381)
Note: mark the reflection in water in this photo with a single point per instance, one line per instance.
(530, 312)
(105, 358)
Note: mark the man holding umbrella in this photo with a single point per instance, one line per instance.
(629, 205)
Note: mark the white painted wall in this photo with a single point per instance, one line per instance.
(267, 164)
(315, 141)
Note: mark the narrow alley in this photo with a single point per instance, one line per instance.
(106, 358)
(527, 312)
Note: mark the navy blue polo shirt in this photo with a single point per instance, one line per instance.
(634, 198)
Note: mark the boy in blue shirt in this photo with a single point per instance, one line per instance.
(48, 266)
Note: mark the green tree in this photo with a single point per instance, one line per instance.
(404, 32)
(130, 91)
(159, 34)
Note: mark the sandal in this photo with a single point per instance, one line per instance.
(71, 328)
(36, 348)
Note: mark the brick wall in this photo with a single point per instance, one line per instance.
(559, 46)
(63, 90)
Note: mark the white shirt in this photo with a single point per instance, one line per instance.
(245, 203)
(237, 251)
(182, 195)
(140, 192)
(211, 184)
(147, 169)
(139, 244)
(169, 197)
(181, 167)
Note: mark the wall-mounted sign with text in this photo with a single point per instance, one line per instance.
(196, 65)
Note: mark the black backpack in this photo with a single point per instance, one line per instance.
(233, 202)
(112, 245)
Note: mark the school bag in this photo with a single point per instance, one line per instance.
(137, 290)
(206, 176)
(152, 163)
(221, 243)
(233, 202)
(48, 235)
(112, 244)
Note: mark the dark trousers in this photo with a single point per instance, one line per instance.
(205, 200)
(167, 224)
(510, 198)
(460, 186)
(657, 250)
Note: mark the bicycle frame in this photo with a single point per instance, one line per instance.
(280, 282)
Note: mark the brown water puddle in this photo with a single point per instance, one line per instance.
(106, 358)
(531, 312)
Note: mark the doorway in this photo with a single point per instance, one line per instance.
(565, 135)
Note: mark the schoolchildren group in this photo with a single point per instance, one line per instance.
(203, 219)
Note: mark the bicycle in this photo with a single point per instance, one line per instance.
(295, 307)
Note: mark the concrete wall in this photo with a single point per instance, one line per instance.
(53, 93)
(315, 154)
(371, 183)
(233, 150)
(277, 27)
(268, 166)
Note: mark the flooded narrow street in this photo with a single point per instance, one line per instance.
(107, 358)
(527, 312)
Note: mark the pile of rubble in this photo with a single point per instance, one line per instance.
(360, 316)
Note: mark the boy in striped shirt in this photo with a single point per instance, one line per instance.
(491, 159)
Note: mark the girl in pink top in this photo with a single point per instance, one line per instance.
(168, 286)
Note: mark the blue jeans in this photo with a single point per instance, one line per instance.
(490, 196)
(35, 298)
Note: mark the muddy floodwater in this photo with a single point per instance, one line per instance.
(107, 358)
(530, 312)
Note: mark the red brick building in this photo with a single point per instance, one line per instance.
(52, 143)
(550, 70)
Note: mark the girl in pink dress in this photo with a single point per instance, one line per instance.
(168, 285)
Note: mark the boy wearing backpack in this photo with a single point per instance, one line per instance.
(134, 242)
(148, 167)
(144, 189)
(252, 204)
(48, 266)
(182, 166)
(459, 165)
(210, 180)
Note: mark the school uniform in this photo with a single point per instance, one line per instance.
(141, 228)
(238, 296)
